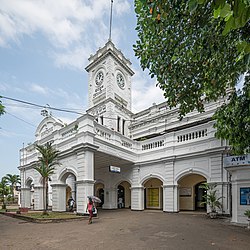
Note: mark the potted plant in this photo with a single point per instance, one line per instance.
(247, 213)
(211, 199)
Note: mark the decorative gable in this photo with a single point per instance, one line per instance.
(47, 126)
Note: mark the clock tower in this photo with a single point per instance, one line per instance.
(109, 88)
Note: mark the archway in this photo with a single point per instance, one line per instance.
(99, 192)
(28, 193)
(70, 190)
(153, 194)
(64, 191)
(124, 195)
(190, 192)
(200, 204)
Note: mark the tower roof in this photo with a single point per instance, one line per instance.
(109, 49)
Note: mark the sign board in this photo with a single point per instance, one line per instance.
(114, 169)
(185, 192)
(241, 160)
(245, 196)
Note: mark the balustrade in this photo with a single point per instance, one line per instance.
(152, 145)
(192, 135)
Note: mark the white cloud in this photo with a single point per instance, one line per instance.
(3, 87)
(38, 89)
(75, 58)
(10, 134)
(64, 23)
(144, 92)
(121, 7)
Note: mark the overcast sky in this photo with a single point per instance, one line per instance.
(44, 49)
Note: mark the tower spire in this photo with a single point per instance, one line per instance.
(110, 23)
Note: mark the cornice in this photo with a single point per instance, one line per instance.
(107, 53)
(106, 101)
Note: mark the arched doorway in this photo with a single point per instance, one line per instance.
(71, 191)
(29, 194)
(124, 195)
(199, 197)
(99, 192)
(120, 196)
(190, 192)
(153, 194)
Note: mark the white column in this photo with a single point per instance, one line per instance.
(83, 190)
(25, 197)
(170, 198)
(85, 181)
(59, 197)
(235, 200)
(137, 198)
(38, 198)
(110, 198)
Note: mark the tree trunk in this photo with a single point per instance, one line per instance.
(44, 196)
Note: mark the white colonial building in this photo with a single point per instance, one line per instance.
(147, 160)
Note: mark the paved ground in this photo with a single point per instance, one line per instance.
(125, 229)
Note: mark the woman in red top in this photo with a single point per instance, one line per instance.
(90, 208)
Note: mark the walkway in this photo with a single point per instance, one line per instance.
(125, 229)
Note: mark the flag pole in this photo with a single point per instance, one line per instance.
(110, 24)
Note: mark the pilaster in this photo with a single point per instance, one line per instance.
(38, 198)
(110, 198)
(84, 188)
(25, 197)
(170, 198)
(137, 198)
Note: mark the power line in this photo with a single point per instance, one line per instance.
(41, 106)
(49, 107)
(21, 119)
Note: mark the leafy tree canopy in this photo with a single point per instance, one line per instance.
(47, 162)
(198, 49)
(1, 108)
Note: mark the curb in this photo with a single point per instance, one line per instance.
(35, 220)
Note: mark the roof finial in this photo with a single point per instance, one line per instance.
(110, 24)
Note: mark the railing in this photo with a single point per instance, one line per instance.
(102, 133)
(71, 130)
(127, 144)
(113, 137)
(173, 141)
(192, 135)
(152, 145)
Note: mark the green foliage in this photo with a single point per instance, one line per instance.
(1, 108)
(210, 197)
(51, 215)
(47, 162)
(247, 213)
(233, 120)
(4, 190)
(192, 50)
(13, 180)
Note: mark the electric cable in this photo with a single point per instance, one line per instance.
(41, 106)
(20, 119)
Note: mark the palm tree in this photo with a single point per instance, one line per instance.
(4, 191)
(211, 198)
(13, 180)
(46, 165)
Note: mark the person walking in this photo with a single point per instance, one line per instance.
(91, 209)
(71, 204)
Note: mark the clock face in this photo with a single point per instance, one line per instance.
(120, 80)
(99, 78)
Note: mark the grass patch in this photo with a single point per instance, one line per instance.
(9, 210)
(51, 215)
